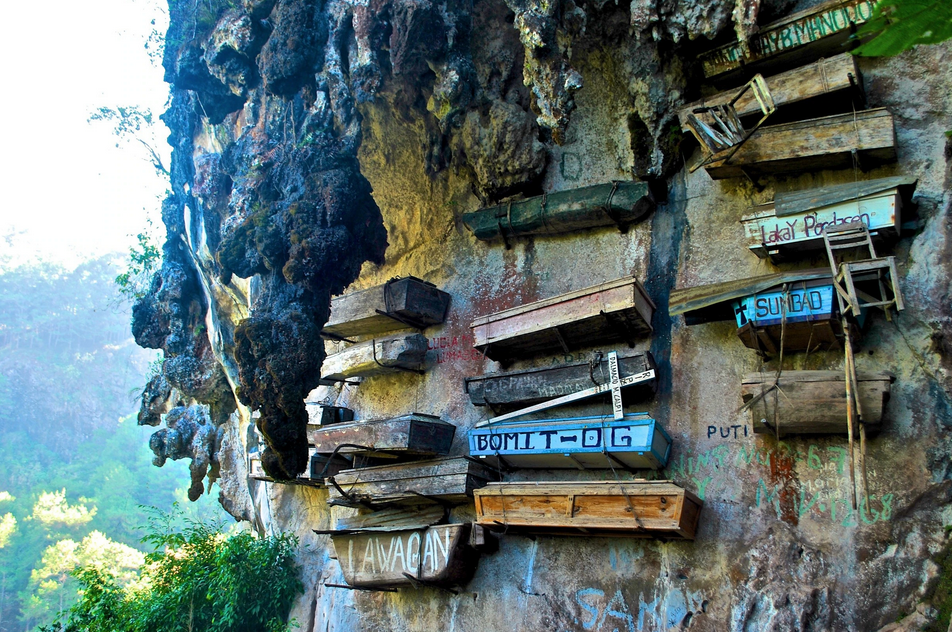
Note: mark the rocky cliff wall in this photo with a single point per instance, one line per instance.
(323, 146)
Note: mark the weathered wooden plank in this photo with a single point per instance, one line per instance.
(634, 508)
(450, 479)
(375, 357)
(812, 402)
(614, 203)
(618, 310)
(413, 434)
(770, 235)
(795, 202)
(634, 442)
(522, 388)
(813, 145)
(394, 519)
(822, 77)
(414, 302)
(439, 555)
(815, 31)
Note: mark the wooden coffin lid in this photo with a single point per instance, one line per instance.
(562, 298)
(816, 376)
(430, 468)
(635, 487)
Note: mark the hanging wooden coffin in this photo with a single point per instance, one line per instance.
(801, 36)
(613, 203)
(813, 145)
(758, 306)
(319, 467)
(522, 388)
(397, 304)
(446, 480)
(633, 442)
(821, 78)
(613, 311)
(636, 508)
(413, 434)
(393, 354)
(793, 223)
(812, 402)
(440, 555)
(323, 415)
(809, 309)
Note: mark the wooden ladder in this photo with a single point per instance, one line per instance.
(853, 239)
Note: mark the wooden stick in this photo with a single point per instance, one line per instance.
(849, 407)
(862, 426)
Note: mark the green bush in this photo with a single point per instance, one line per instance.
(199, 579)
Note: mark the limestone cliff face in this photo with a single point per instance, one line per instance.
(324, 145)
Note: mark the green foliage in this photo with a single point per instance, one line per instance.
(52, 508)
(898, 25)
(198, 579)
(51, 584)
(144, 259)
(68, 368)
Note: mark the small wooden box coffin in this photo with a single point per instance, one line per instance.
(629, 508)
(404, 352)
(322, 415)
(812, 402)
(449, 479)
(634, 442)
(823, 77)
(438, 555)
(793, 223)
(524, 388)
(319, 467)
(812, 145)
(613, 311)
(613, 203)
(803, 35)
(413, 434)
(397, 304)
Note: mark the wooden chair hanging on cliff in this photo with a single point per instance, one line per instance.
(718, 128)
(853, 259)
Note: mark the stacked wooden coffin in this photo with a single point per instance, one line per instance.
(364, 319)
(805, 72)
(401, 537)
(615, 443)
(400, 476)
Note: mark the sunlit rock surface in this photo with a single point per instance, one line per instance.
(320, 146)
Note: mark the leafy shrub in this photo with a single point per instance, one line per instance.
(199, 579)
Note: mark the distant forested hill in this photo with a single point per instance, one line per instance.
(74, 467)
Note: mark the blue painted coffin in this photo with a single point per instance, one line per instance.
(802, 304)
(635, 442)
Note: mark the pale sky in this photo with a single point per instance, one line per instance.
(68, 191)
